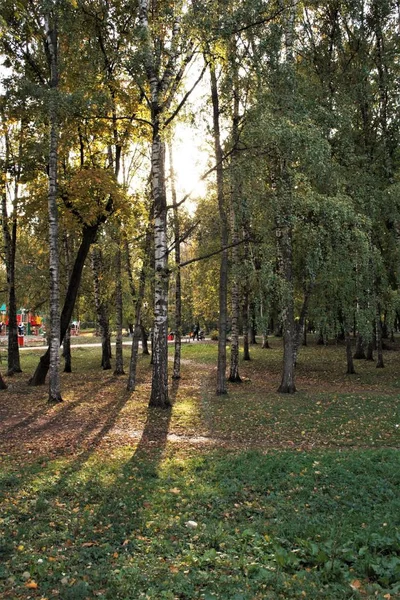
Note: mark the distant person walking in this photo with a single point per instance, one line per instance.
(196, 330)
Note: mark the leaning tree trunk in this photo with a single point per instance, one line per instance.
(101, 311)
(223, 274)
(88, 236)
(54, 378)
(119, 358)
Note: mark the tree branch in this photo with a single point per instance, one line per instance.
(210, 254)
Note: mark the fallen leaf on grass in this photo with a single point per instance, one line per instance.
(89, 544)
(175, 490)
(355, 584)
(32, 585)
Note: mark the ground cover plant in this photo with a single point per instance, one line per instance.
(250, 496)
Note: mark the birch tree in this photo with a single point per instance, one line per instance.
(165, 55)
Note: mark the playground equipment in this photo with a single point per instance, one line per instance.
(28, 322)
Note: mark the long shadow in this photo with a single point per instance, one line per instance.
(155, 433)
(46, 409)
(121, 504)
(112, 409)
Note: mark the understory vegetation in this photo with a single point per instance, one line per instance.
(254, 495)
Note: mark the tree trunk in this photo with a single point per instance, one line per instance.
(379, 348)
(101, 311)
(359, 353)
(287, 385)
(119, 358)
(88, 236)
(67, 338)
(145, 340)
(265, 343)
(234, 376)
(139, 330)
(285, 260)
(305, 334)
(349, 355)
(67, 352)
(54, 378)
(252, 324)
(178, 287)
(245, 319)
(369, 355)
(159, 384)
(10, 241)
(223, 273)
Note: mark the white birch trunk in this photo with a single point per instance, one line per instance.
(54, 342)
(159, 388)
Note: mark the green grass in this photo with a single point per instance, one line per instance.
(293, 496)
(284, 525)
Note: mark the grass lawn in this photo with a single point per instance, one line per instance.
(251, 496)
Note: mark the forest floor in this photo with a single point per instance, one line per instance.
(253, 495)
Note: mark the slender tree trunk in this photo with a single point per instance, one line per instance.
(14, 365)
(101, 311)
(349, 355)
(245, 320)
(252, 324)
(10, 241)
(284, 239)
(379, 345)
(119, 358)
(54, 379)
(138, 327)
(67, 338)
(223, 274)
(145, 340)
(234, 376)
(178, 292)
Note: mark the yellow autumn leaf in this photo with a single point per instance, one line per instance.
(32, 585)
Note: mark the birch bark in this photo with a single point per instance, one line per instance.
(54, 374)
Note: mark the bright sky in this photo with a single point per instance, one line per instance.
(190, 163)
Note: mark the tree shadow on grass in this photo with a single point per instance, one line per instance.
(155, 433)
(87, 439)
